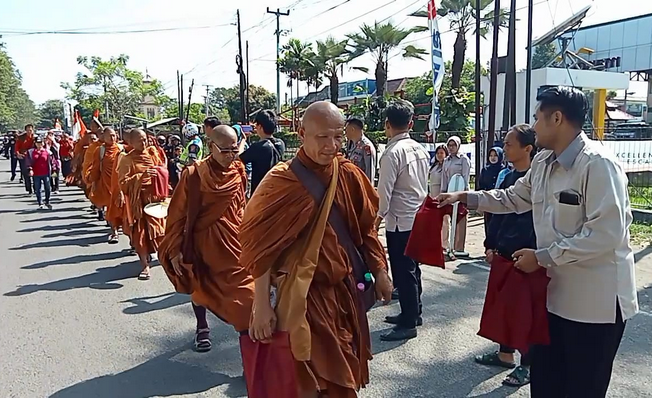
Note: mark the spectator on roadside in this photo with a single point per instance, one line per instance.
(10, 152)
(38, 164)
(24, 144)
(359, 149)
(402, 188)
(457, 163)
(266, 152)
(175, 166)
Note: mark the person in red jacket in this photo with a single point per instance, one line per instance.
(39, 162)
(22, 146)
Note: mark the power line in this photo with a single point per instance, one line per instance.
(108, 32)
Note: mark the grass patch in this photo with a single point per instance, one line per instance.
(640, 233)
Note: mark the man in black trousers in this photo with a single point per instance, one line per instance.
(402, 188)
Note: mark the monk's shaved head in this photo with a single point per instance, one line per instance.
(223, 144)
(138, 139)
(322, 131)
(224, 136)
(323, 112)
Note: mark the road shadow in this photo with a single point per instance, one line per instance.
(102, 278)
(82, 258)
(162, 376)
(641, 254)
(79, 214)
(79, 232)
(81, 242)
(471, 267)
(142, 305)
(87, 224)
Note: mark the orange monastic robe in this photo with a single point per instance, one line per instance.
(79, 150)
(146, 232)
(279, 213)
(115, 209)
(217, 280)
(100, 174)
(88, 160)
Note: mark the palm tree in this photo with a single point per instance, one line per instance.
(296, 59)
(332, 55)
(461, 14)
(379, 40)
(312, 71)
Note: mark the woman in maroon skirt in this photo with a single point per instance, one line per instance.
(507, 233)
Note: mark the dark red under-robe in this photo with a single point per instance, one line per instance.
(515, 312)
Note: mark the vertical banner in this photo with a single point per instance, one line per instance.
(437, 66)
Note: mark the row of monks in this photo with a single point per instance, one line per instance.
(266, 266)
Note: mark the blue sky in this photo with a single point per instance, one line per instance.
(208, 55)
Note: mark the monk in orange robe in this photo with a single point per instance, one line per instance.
(115, 211)
(89, 155)
(135, 173)
(333, 360)
(101, 174)
(204, 217)
(79, 153)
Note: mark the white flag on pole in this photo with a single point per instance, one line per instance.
(437, 65)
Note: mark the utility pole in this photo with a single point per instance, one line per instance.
(238, 62)
(208, 87)
(479, 158)
(528, 70)
(248, 80)
(278, 14)
(493, 84)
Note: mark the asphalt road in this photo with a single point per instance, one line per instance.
(75, 322)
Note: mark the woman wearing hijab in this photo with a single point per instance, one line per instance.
(457, 163)
(489, 176)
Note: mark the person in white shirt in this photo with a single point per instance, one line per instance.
(457, 163)
(577, 192)
(402, 187)
(436, 175)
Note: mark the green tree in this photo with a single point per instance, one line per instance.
(543, 54)
(113, 88)
(228, 99)
(380, 40)
(332, 54)
(456, 103)
(611, 95)
(461, 15)
(16, 109)
(296, 59)
(48, 111)
(197, 112)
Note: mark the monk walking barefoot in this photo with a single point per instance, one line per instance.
(200, 250)
(136, 174)
(330, 339)
(101, 173)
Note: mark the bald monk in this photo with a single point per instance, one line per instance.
(135, 173)
(280, 212)
(89, 155)
(212, 275)
(101, 172)
(79, 153)
(115, 211)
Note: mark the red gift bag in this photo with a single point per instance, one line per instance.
(269, 369)
(160, 182)
(424, 245)
(515, 312)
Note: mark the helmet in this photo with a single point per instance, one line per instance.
(190, 130)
